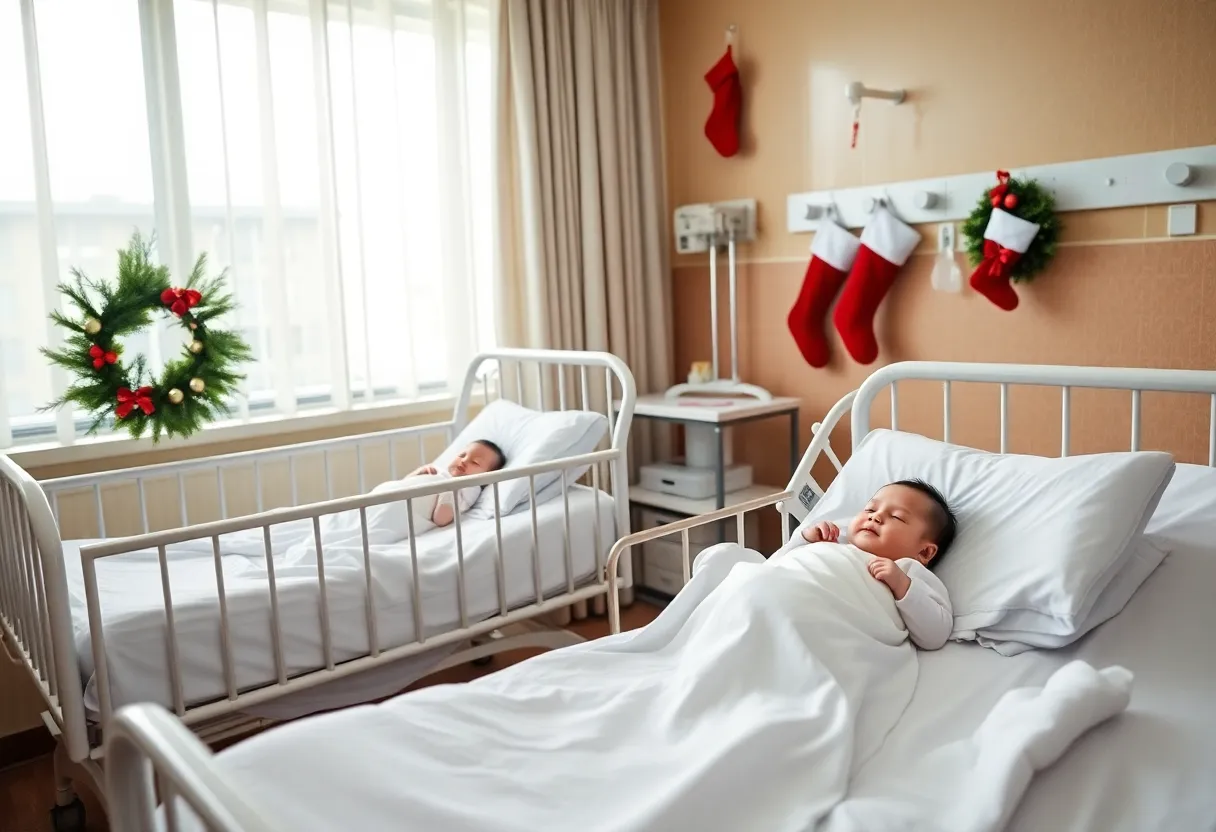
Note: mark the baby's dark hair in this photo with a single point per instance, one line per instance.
(502, 458)
(942, 522)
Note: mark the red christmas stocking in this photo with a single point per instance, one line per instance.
(1006, 239)
(722, 127)
(832, 254)
(886, 244)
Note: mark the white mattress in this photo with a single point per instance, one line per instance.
(133, 608)
(1151, 768)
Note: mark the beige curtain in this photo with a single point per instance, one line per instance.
(583, 257)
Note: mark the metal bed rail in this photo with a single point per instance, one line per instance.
(153, 758)
(35, 613)
(1133, 380)
(681, 527)
(246, 470)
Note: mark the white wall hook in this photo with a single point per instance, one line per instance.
(873, 203)
(1179, 174)
(925, 200)
(857, 91)
(813, 211)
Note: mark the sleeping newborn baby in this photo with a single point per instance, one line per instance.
(905, 528)
(390, 522)
(480, 457)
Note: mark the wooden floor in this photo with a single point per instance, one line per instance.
(27, 791)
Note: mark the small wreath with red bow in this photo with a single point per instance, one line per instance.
(1025, 199)
(191, 389)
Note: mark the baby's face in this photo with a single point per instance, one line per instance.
(895, 525)
(473, 460)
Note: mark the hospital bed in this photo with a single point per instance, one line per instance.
(220, 622)
(1149, 768)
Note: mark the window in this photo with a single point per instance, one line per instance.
(333, 157)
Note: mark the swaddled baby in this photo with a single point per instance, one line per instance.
(905, 529)
(390, 522)
(479, 457)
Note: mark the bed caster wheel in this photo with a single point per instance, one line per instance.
(68, 818)
(488, 638)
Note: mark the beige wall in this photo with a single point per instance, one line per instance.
(19, 701)
(997, 84)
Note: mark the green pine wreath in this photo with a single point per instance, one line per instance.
(191, 389)
(1034, 203)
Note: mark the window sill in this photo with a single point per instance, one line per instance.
(438, 407)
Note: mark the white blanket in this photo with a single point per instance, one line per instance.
(747, 704)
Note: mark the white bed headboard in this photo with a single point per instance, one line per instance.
(552, 380)
(860, 404)
(1135, 381)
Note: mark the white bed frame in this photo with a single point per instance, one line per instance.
(153, 753)
(35, 618)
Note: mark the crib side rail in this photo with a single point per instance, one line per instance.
(35, 616)
(682, 527)
(148, 752)
(802, 484)
(99, 504)
(554, 584)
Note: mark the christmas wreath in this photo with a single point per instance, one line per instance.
(1011, 236)
(1026, 199)
(190, 390)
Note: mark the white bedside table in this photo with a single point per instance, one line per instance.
(719, 413)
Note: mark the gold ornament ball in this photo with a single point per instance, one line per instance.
(92, 326)
(196, 347)
(197, 385)
(176, 396)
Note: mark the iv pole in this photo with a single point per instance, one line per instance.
(732, 386)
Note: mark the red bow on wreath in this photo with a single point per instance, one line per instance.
(101, 357)
(180, 300)
(128, 401)
(998, 259)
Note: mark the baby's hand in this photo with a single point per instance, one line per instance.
(823, 532)
(425, 469)
(891, 575)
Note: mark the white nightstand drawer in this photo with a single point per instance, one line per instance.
(662, 580)
(699, 536)
(665, 554)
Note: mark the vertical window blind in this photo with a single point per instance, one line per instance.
(334, 157)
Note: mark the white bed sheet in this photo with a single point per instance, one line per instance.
(1149, 768)
(133, 609)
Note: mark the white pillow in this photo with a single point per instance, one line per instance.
(1186, 515)
(1039, 538)
(528, 437)
(1146, 556)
